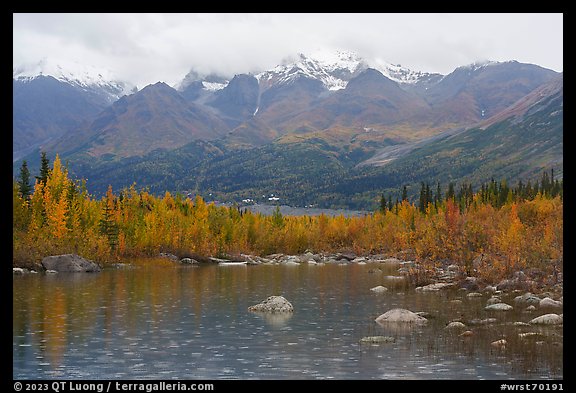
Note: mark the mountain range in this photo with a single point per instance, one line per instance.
(331, 130)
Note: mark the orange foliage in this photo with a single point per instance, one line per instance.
(520, 234)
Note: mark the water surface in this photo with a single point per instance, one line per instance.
(164, 321)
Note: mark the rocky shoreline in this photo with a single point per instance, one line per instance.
(424, 278)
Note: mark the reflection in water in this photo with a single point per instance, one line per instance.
(276, 320)
(161, 320)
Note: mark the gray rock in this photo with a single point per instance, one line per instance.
(530, 308)
(528, 298)
(547, 319)
(470, 283)
(377, 340)
(273, 304)
(498, 307)
(391, 261)
(550, 303)
(456, 301)
(400, 315)
(455, 325)
(69, 263)
(474, 294)
(348, 256)
(518, 323)
(18, 270)
(489, 289)
(434, 287)
(168, 255)
(379, 289)
(493, 300)
(453, 268)
(519, 282)
(529, 335)
(51, 272)
(499, 343)
(467, 333)
(307, 256)
(394, 278)
(188, 261)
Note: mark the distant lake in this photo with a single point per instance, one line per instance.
(165, 321)
(302, 211)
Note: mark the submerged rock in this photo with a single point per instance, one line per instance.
(528, 335)
(379, 289)
(434, 287)
(498, 307)
(377, 340)
(18, 270)
(486, 321)
(401, 315)
(548, 319)
(519, 323)
(499, 343)
(273, 304)
(455, 325)
(69, 263)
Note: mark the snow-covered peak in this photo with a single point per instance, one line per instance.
(479, 64)
(81, 75)
(334, 69)
(398, 73)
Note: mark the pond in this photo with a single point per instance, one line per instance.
(160, 320)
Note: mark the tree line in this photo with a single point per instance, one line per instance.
(57, 215)
(494, 193)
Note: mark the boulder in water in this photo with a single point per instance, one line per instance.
(69, 263)
(400, 315)
(379, 289)
(547, 319)
(550, 303)
(498, 307)
(273, 304)
(377, 340)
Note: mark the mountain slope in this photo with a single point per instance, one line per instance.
(475, 92)
(156, 117)
(517, 143)
(44, 108)
(50, 99)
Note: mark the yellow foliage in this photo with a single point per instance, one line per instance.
(59, 220)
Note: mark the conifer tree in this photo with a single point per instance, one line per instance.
(24, 186)
(44, 169)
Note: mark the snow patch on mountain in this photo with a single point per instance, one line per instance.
(76, 74)
(333, 68)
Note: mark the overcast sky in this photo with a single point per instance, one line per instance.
(146, 48)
